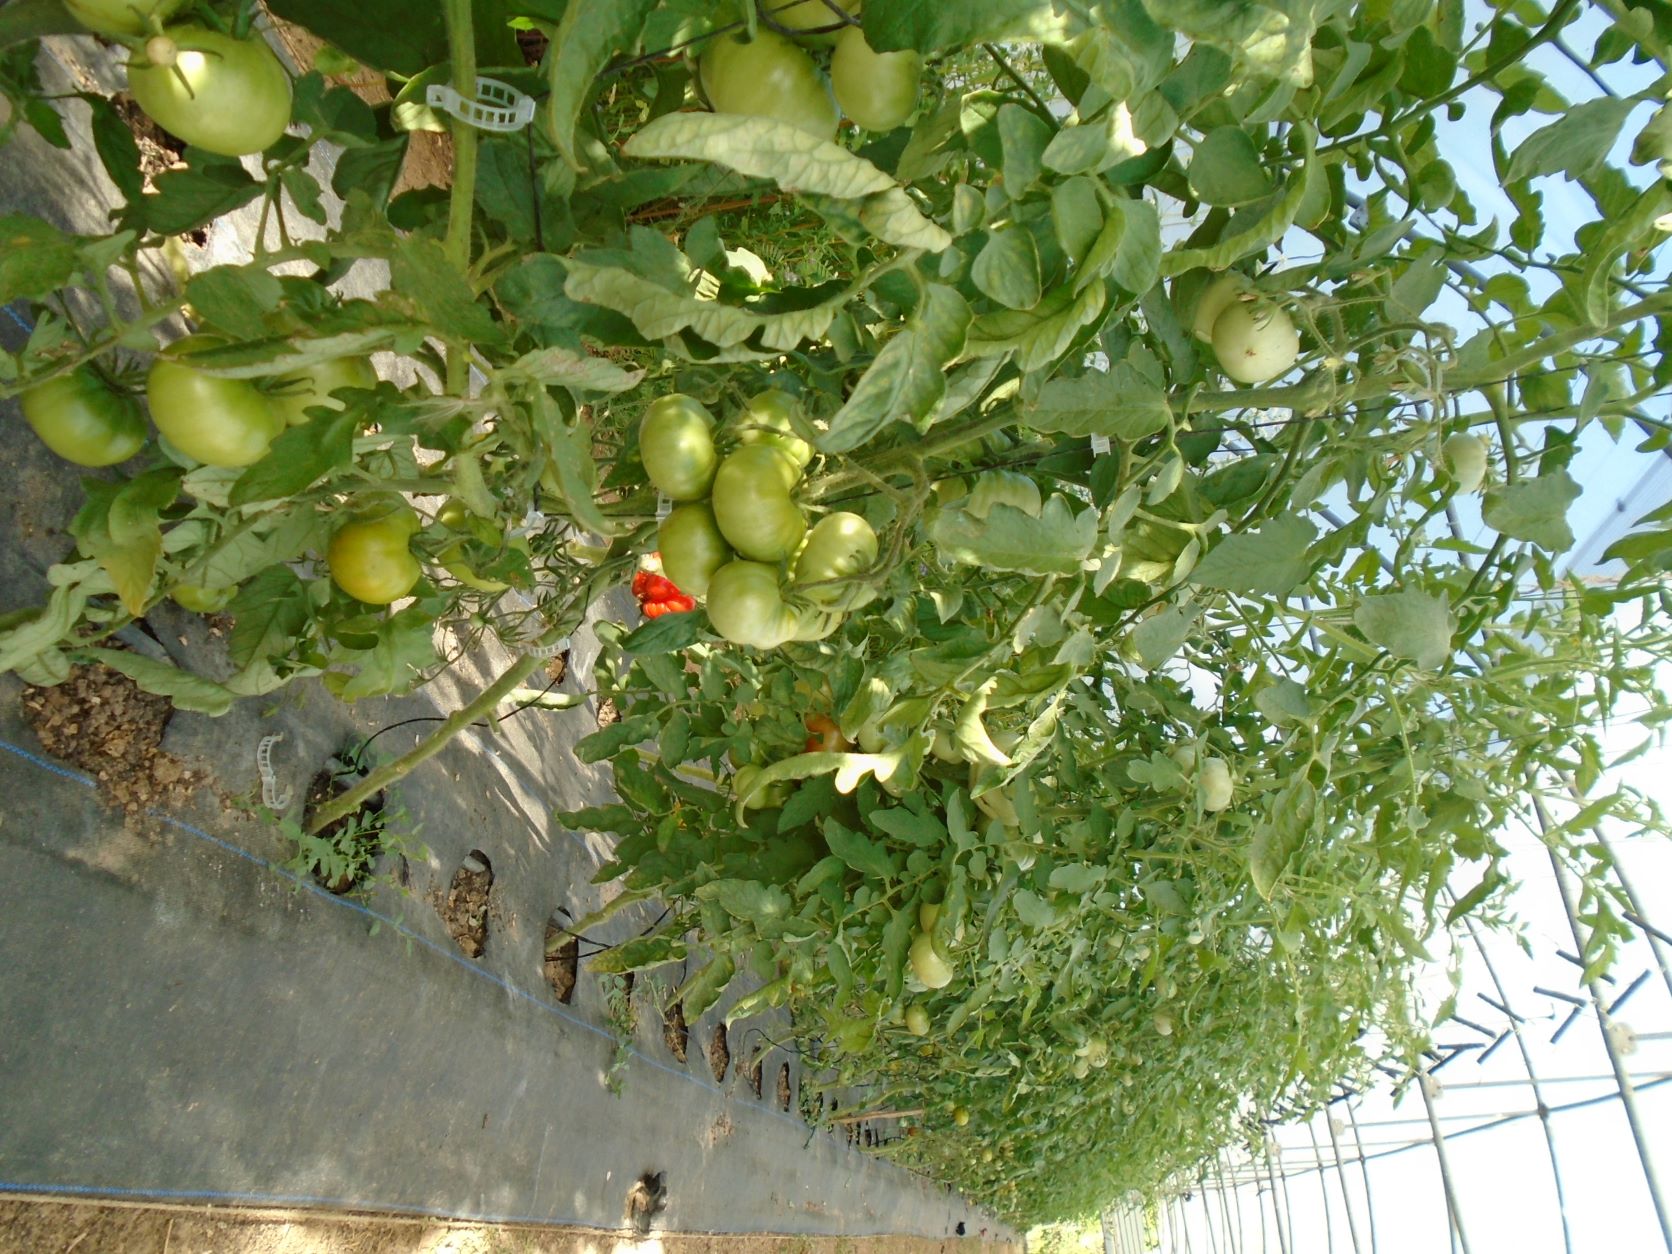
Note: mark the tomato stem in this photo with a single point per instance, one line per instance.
(461, 42)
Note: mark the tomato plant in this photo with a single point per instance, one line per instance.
(225, 95)
(79, 417)
(1147, 695)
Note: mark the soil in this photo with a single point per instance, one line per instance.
(324, 787)
(561, 963)
(558, 667)
(607, 713)
(784, 1093)
(159, 152)
(429, 154)
(757, 1076)
(674, 1032)
(101, 721)
(719, 1052)
(465, 910)
(38, 1226)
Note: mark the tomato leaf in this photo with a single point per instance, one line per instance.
(642, 953)
(1267, 562)
(857, 851)
(298, 457)
(1120, 403)
(185, 690)
(1534, 510)
(1055, 543)
(908, 377)
(1575, 144)
(761, 148)
(1410, 624)
(928, 25)
(1007, 268)
(581, 46)
(269, 613)
(702, 988)
(1225, 169)
(668, 634)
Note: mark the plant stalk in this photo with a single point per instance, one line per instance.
(461, 43)
(456, 722)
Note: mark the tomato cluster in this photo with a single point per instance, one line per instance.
(774, 75)
(739, 538)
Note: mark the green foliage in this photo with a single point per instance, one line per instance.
(1044, 664)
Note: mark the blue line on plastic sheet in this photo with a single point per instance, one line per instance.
(21, 321)
(394, 925)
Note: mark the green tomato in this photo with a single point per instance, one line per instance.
(224, 95)
(803, 16)
(927, 964)
(1214, 298)
(917, 1020)
(960, 1116)
(769, 419)
(201, 600)
(83, 420)
(676, 444)
(1216, 785)
(293, 394)
(814, 624)
(692, 547)
(121, 17)
(753, 506)
(1465, 456)
(838, 546)
(767, 77)
(369, 557)
(746, 606)
(927, 913)
(878, 90)
(219, 422)
(1254, 342)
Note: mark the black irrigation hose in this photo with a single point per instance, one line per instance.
(441, 718)
(599, 947)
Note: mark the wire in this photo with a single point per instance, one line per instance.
(441, 718)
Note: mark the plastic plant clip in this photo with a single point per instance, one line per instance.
(498, 106)
(664, 507)
(270, 796)
(1100, 446)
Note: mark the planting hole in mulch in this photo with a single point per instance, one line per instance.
(563, 959)
(101, 721)
(465, 911)
(784, 1093)
(607, 713)
(757, 1075)
(719, 1052)
(340, 857)
(674, 1032)
(558, 667)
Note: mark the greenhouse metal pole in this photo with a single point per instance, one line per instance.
(1207, 1213)
(1532, 1080)
(1108, 1236)
(1236, 1200)
(1282, 1181)
(1453, 1214)
(1628, 1094)
(1233, 1237)
(1364, 1173)
(1323, 1185)
(1341, 1172)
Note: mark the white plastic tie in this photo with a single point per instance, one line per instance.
(1100, 446)
(270, 796)
(498, 106)
(547, 650)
